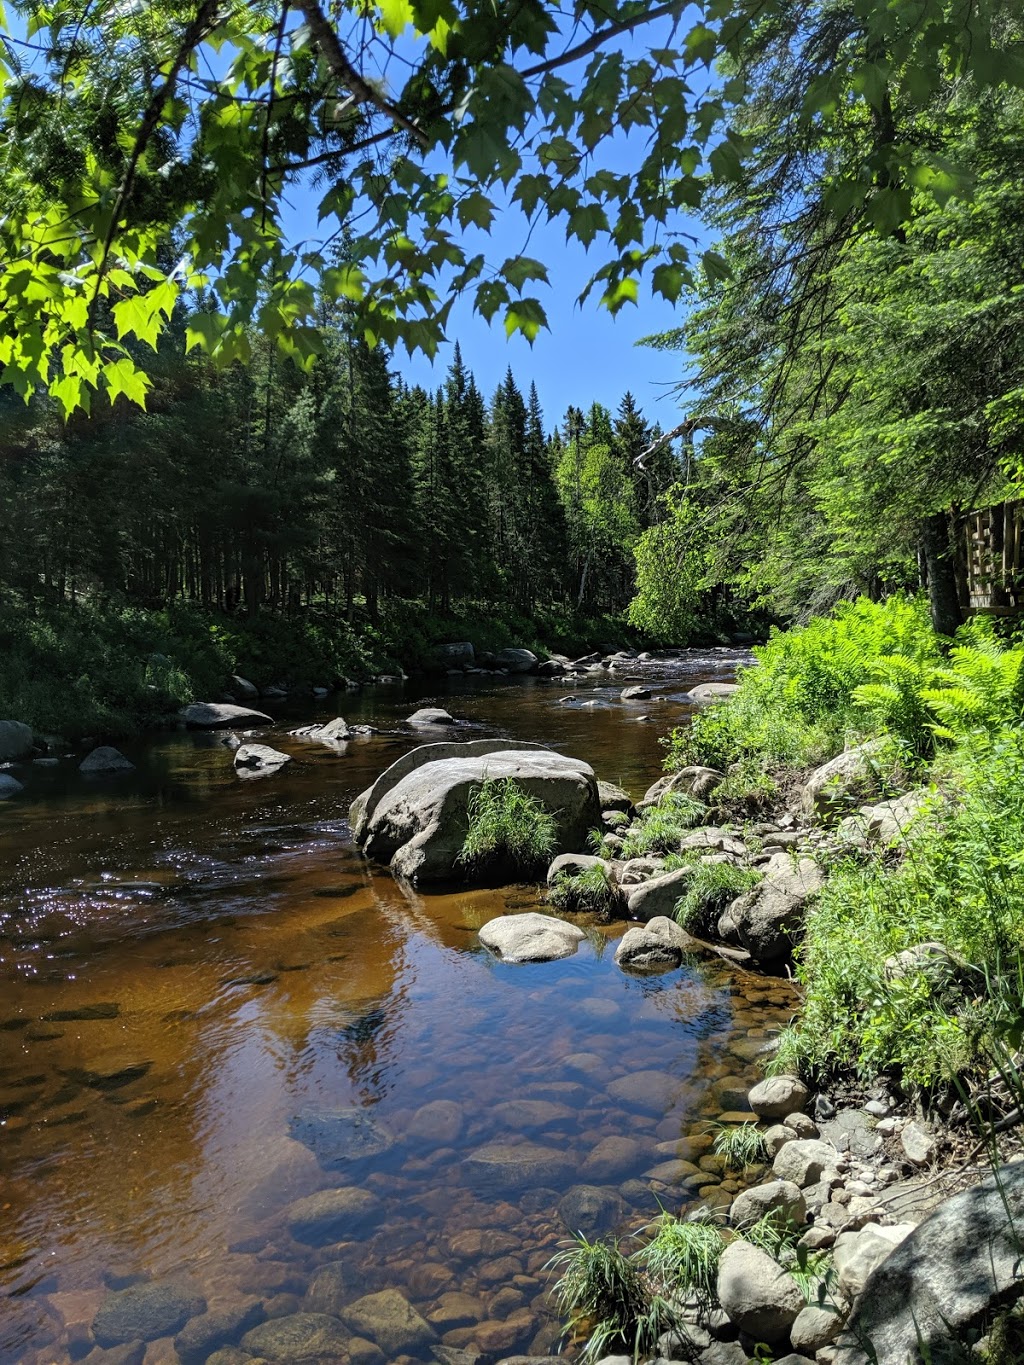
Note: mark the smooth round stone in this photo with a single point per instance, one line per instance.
(504, 1167)
(590, 1210)
(332, 1287)
(331, 1215)
(340, 1135)
(653, 1092)
(613, 1156)
(439, 1122)
(522, 1115)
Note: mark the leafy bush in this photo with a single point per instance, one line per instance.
(508, 828)
(662, 828)
(797, 706)
(591, 890)
(712, 887)
(960, 884)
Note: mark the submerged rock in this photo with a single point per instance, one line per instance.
(338, 1136)
(333, 734)
(105, 759)
(9, 786)
(531, 937)
(331, 1215)
(145, 1312)
(502, 1166)
(391, 1321)
(297, 1337)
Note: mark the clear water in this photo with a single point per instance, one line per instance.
(189, 962)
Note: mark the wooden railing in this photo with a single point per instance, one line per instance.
(991, 545)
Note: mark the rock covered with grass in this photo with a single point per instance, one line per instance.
(454, 811)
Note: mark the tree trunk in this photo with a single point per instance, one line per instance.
(940, 568)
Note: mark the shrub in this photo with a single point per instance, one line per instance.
(591, 890)
(662, 828)
(712, 887)
(507, 827)
(960, 884)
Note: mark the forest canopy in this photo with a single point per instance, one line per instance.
(151, 150)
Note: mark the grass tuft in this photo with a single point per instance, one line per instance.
(663, 828)
(590, 891)
(712, 887)
(507, 827)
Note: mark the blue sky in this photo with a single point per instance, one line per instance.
(587, 355)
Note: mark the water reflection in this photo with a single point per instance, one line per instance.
(190, 963)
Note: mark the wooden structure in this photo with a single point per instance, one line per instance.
(992, 582)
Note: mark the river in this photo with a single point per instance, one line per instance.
(192, 965)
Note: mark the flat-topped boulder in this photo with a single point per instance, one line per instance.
(218, 715)
(531, 937)
(416, 815)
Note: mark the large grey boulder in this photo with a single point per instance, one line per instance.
(334, 734)
(613, 797)
(804, 1161)
(944, 1276)
(778, 1096)
(843, 780)
(572, 864)
(531, 937)
(15, 740)
(760, 1297)
(516, 660)
(657, 946)
(209, 715)
(363, 807)
(9, 786)
(105, 760)
(244, 688)
(419, 824)
(457, 654)
(657, 898)
(888, 823)
(768, 920)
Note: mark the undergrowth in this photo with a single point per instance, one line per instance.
(590, 890)
(663, 827)
(712, 887)
(507, 828)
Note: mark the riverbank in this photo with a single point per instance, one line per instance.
(852, 813)
(114, 671)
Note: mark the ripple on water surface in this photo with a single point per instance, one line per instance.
(238, 1067)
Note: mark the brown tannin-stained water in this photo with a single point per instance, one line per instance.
(212, 1008)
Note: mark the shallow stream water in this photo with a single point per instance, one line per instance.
(197, 971)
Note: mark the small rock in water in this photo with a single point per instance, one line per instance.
(9, 786)
(251, 759)
(298, 1337)
(340, 1135)
(430, 715)
(105, 760)
(331, 1215)
(391, 1321)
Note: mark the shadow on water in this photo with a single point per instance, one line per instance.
(211, 1008)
